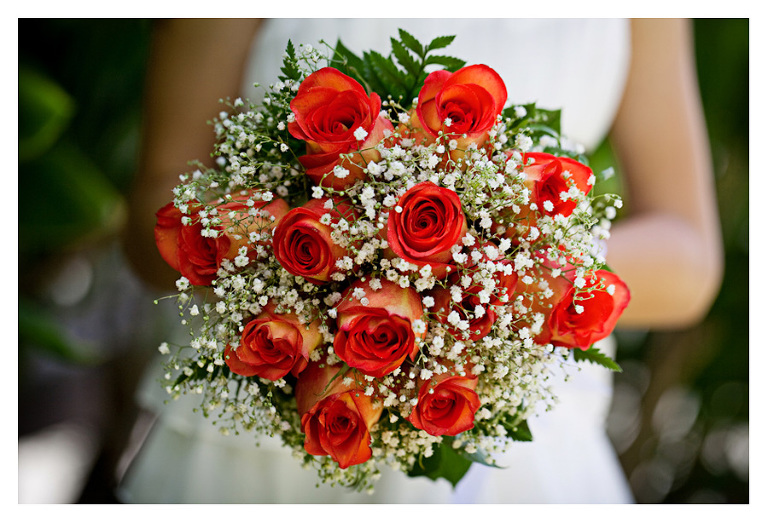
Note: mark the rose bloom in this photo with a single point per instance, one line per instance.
(546, 178)
(198, 258)
(335, 418)
(566, 324)
(303, 244)
(377, 337)
(430, 224)
(547, 175)
(446, 405)
(479, 326)
(273, 344)
(466, 102)
(330, 108)
(593, 316)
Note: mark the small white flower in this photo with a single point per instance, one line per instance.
(360, 134)
(182, 284)
(340, 172)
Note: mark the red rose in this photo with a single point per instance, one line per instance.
(446, 405)
(335, 418)
(430, 223)
(335, 116)
(199, 257)
(550, 176)
(592, 316)
(376, 338)
(479, 326)
(466, 102)
(304, 245)
(272, 345)
(570, 322)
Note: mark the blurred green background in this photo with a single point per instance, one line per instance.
(680, 419)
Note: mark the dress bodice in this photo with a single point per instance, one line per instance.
(578, 65)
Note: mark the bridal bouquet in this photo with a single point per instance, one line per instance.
(386, 263)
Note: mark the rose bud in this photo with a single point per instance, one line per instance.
(376, 338)
(197, 257)
(451, 314)
(429, 225)
(446, 405)
(304, 245)
(466, 102)
(336, 418)
(580, 319)
(335, 116)
(273, 344)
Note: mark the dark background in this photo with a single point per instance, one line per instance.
(680, 419)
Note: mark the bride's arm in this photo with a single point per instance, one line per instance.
(193, 64)
(669, 249)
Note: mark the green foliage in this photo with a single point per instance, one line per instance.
(290, 68)
(45, 111)
(593, 355)
(517, 429)
(64, 198)
(399, 75)
(39, 328)
(445, 463)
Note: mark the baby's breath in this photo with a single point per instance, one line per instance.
(257, 161)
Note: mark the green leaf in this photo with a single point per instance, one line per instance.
(450, 63)
(404, 57)
(412, 43)
(593, 355)
(440, 42)
(388, 75)
(289, 68)
(65, 198)
(45, 111)
(386, 68)
(444, 463)
(517, 429)
(40, 329)
(348, 62)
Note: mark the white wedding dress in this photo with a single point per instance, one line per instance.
(577, 65)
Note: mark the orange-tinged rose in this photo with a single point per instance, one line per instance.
(446, 405)
(377, 337)
(273, 344)
(549, 176)
(336, 417)
(198, 257)
(302, 243)
(579, 319)
(464, 105)
(580, 322)
(335, 116)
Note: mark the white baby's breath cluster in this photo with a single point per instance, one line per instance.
(257, 161)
